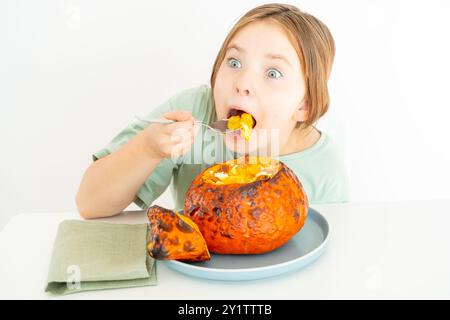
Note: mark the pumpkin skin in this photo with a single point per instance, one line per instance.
(251, 218)
(174, 237)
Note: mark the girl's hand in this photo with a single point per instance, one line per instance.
(174, 139)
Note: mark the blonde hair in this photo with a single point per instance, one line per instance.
(314, 45)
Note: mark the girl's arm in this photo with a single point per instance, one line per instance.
(111, 183)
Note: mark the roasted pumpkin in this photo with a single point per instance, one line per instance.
(247, 206)
(243, 206)
(174, 237)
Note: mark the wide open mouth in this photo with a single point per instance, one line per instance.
(242, 171)
(237, 112)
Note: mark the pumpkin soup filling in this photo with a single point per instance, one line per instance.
(242, 171)
(240, 120)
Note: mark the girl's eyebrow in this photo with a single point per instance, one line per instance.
(236, 47)
(269, 55)
(278, 57)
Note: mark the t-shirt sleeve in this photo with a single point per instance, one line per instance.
(161, 176)
(327, 174)
(337, 188)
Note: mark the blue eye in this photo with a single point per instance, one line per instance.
(233, 63)
(274, 74)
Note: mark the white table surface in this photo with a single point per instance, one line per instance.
(376, 250)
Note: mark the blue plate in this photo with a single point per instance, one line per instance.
(304, 248)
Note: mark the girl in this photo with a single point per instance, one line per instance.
(274, 65)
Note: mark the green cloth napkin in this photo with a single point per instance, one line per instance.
(98, 255)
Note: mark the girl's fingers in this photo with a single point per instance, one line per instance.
(183, 119)
(179, 126)
(180, 149)
(175, 139)
(178, 115)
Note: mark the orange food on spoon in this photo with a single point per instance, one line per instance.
(243, 122)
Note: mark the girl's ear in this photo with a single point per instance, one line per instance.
(301, 114)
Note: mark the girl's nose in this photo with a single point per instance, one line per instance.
(243, 86)
(243, 89)
(240, 90)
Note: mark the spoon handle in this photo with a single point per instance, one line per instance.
(167, 121)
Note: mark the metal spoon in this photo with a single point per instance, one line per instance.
(219, 126)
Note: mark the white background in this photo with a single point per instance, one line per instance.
(74, 73)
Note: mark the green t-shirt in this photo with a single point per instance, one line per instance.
(319, 168)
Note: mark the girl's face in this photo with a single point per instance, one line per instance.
(261, 75)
